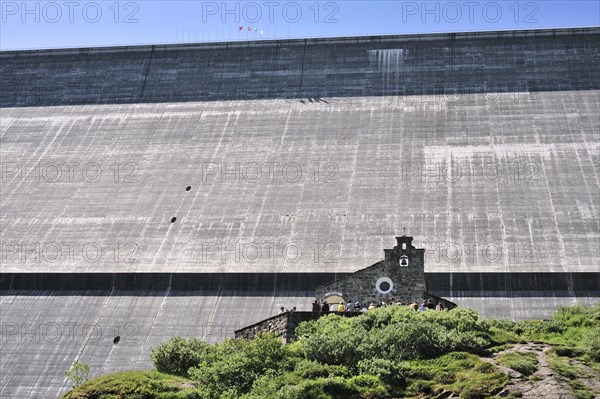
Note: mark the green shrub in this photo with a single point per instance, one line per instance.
(466, 341)
(407, 335)
(459, 319)
(577, 316)
(322, 388)
(78, 373)
(301, 391)
(414, 370)
(389, 372)
(371, 387)
(330, 324)
(266, 386)
(338, 387)
(311, 369)
(536, 329)
(416, 340)
(341, 348)
(234, 365)
(592, 342)
(178, 354)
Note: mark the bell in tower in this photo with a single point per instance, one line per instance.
(404, 261)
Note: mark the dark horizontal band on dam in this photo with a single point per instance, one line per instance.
(312, 69)
(247, 282)
(437, 283)
(481, 283)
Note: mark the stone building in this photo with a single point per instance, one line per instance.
(400, 275)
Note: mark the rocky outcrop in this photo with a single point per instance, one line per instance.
(546, 382)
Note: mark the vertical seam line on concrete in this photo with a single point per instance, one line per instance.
(146, 74)
(222, 69)
(452, 54)
(302, 69)
(273, 70)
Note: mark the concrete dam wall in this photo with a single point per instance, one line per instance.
(155, 191)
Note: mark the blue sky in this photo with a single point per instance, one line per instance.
(73, 23)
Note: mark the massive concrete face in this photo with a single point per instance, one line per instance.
(301, 157)
(280, 186)
(484, 146)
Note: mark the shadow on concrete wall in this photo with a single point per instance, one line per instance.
(455, 66)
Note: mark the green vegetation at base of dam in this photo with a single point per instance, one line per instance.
(391, 352)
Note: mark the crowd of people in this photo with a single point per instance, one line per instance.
(426, 304)
(357, 307)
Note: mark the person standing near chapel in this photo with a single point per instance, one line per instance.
(316, 307)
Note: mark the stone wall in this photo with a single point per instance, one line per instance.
(400, 276)
(284, 325)
(276, 324)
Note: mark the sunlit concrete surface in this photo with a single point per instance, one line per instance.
(281, 186)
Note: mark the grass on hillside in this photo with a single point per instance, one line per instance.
(134, 385)
(571, 373)
(525, 363)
